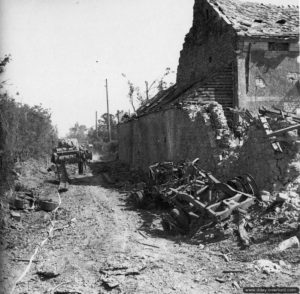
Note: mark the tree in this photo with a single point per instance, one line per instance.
(3, 62)
(100, 136)
(138, 98)
(102, 127)
(79, 132)
(25, 131)
(134, 94)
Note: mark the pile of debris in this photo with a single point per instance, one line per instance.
(286, 126)
(268, 148)
(31, 200)
(29, 192)
(279, 213)
(194, 196)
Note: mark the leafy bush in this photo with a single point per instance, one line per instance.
(25, 131)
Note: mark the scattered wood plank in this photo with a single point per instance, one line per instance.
(284, 130)
(23, 260)
(56, 287)
(142, 234)
(276, 145)
(225, 256)
(233, 271)
(150, 245)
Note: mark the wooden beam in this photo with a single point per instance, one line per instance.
(290, 128)
(277, 111)
(276, 145)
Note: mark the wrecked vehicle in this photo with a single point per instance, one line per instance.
(194, 195)
(68, 151)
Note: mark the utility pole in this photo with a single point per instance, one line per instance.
(96, 124)
(108, 116)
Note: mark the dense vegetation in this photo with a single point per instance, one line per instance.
(97, 137)
(102, 132)
(25, 131)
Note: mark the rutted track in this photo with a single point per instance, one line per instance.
(102, 245)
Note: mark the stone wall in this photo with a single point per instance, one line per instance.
(208, 47)
(185, 134)
(268, 77)
(175, 135)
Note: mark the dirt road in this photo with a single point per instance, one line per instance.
(100, 244)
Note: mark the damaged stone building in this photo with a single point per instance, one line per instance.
(242, 54)
(237, 54)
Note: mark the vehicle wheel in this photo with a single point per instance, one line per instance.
(252, 184)
(80, 167)
(138, 198)
(181, 219)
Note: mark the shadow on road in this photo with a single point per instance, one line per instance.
(92, 175)
(107, 175)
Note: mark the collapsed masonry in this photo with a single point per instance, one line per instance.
(239, 54)
(201, 131)
(272, 169)
(272, 160)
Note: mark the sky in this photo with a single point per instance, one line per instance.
(63, 50)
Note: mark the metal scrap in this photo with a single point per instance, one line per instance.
(265, 116)
(193, 195)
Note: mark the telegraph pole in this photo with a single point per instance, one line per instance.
(108, 116)
(96, 124)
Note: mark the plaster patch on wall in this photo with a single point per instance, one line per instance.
(293, 77)
(259, 82)
(192, 111)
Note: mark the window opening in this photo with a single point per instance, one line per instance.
(273, 46)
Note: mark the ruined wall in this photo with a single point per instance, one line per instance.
(268, 75)
(174, 135)
(271, 170)
(208, 47)
(202, 131)
(125, 139)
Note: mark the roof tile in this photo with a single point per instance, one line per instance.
(255, 19)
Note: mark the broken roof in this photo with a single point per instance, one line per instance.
(160, 100)
(193, 93)
(248, 19)
(259, 20)
(171, 97)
